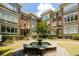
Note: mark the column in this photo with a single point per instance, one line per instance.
(30, 25)
(62, 18)
(78, 17)
(51, 22)
(18, 26)
(10, 29)
(0, 28)
(14, 31)
(27, 23)
(22, 24)
(5, 29)
(57, 24)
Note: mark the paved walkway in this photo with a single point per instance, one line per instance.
(59, 52)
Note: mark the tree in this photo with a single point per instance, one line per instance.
(41, 27)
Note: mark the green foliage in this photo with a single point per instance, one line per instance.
(57, 33)
(71, 34)
(21, 37)
(8, 37)
(52, 37)
(41, 27)
(74, 36)
(43, 36)
(8, 41)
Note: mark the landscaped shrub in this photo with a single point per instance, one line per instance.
(21, 37)
(43, 36)
(8, 41)
(52, 37)
(9, 37)
(72, 36)
(75, 37)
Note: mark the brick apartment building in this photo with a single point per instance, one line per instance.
(65, 20)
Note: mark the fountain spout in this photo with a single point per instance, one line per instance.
(39, 42)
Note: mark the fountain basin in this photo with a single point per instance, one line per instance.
(35, 49)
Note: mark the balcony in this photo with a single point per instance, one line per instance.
(70, 9)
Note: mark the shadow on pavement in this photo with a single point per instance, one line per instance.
(18, 53)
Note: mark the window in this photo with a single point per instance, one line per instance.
(65, 19)
(71, 29)
(15, 30)
(76, 17)
(11, 6)
(2, 28)
(72, 18)
(46, 17)
(65, 30)
(8, 15)
(25, 18)
(68, 18)
(12, 30)
(8, 29)
(0, 14)
(3, 15)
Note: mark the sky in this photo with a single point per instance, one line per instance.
(38, 8)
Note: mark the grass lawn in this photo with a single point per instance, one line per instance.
(73, 49)
(7, 50)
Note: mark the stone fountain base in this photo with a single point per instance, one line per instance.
(34, 49)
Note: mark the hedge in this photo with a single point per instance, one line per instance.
(10, 37)
(74, 36)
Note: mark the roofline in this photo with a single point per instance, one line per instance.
(64, 4)
(22, 12)
(19, 4)
(33, 15)
(46, 12)
(8, 11)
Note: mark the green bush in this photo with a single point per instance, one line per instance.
(21, 37)
(8, 41)
(52, 37)
(43, 36)
(9, 37)
(75, 37)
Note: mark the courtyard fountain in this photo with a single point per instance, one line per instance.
(39, 47)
